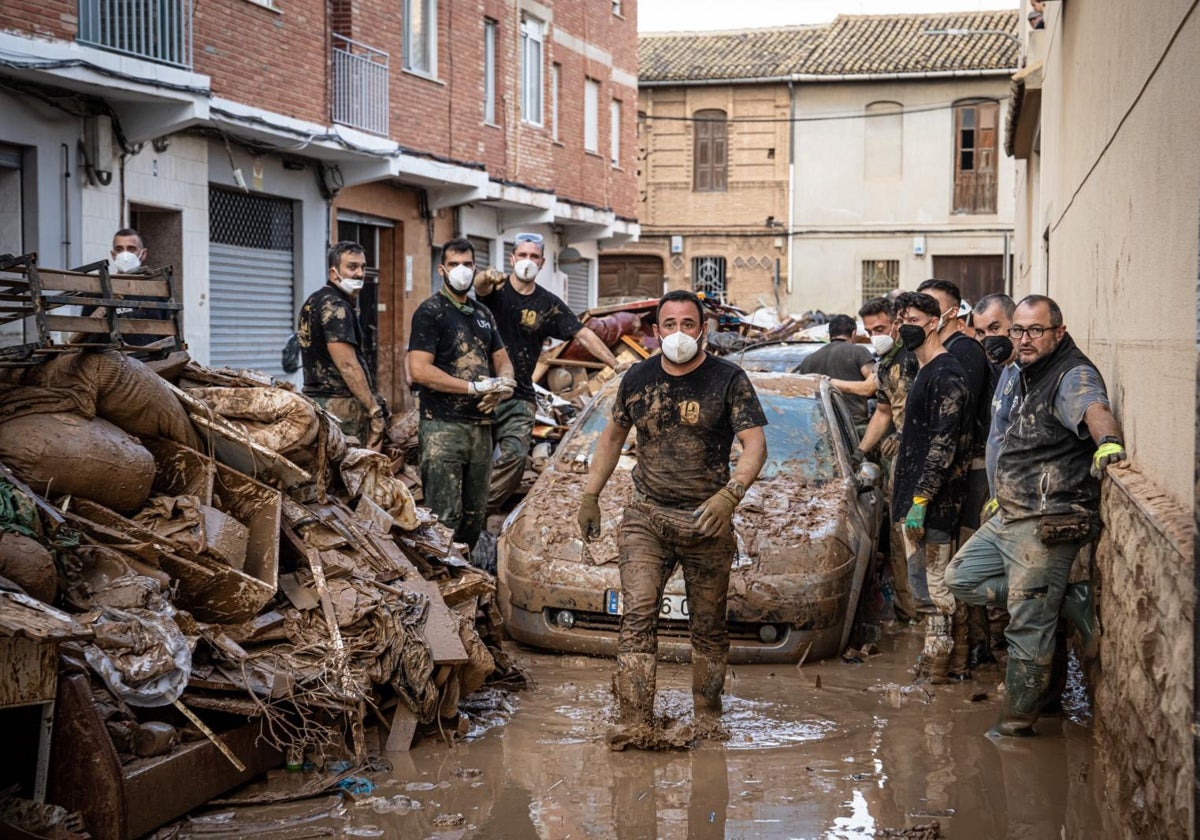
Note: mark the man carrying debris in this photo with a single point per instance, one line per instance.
(931, 472)
(1052, 438)
(336, 374)
(527, 315)
(456, 356)
(687, 406)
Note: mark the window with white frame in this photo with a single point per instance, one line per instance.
(489, 71)
(591, 115)
(420, 36)
(616, 7)
(533, 32)
(614, 132)
(555, 77)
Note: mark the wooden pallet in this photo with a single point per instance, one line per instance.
(115, 301)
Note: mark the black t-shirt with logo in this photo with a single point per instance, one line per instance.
(685, 426)
(525, 322)
(329, 316)
(462, 340)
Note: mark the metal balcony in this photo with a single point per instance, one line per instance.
(360, 86)
(156, 30)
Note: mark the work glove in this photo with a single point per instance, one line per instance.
(890, 445)
(990, 508)
(491, 401)
(377, 428)
(589, 516)
(622, 367)
(490, 385)
(715, 513)
(914, 522)
(1111, 452)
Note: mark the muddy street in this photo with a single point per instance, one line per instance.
(832, 750)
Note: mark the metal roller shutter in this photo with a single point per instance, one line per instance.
(251, 280)
(577, 297)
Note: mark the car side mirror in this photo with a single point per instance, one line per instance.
(868, 476)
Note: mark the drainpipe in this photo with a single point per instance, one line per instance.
(1007, 261)
(791, 185)
(66, 201)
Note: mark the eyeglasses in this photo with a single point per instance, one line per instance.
(1035, 332)
(535, 238)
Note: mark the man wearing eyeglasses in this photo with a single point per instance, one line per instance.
(1051, 439)
(526, 314)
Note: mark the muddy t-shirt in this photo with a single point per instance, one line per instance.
(328, 316)
(896, 372)
(525, 322)
(935, 445)
(685, 427)
(971, 356)
(462, 340)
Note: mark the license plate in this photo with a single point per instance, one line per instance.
(673, 606)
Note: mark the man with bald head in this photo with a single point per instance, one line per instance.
(1051, 440)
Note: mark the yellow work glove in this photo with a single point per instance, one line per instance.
(990, 508)
(1110, 452)
(715, 513)
(589, 516)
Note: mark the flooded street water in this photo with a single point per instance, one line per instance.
(832, 750)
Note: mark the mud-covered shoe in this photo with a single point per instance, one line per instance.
(1026, 685)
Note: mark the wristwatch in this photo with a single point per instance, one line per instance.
(737, 489)
(1112, 439)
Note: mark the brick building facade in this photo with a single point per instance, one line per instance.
(219, 125)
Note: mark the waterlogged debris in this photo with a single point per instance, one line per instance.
(468, 772)
(397, 804)
(449, 820)
(363, 831)
(925, 831)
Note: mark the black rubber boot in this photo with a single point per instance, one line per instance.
(1052, 702)
(1079, 608)
(1026, 685)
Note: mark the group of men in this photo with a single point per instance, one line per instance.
(995, 430)
(470, 360)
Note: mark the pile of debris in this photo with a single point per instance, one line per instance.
(215, 551)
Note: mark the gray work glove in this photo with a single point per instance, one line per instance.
(485, 385)
(890, 445)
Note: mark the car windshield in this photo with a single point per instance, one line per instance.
(774, 358)
(799, 438)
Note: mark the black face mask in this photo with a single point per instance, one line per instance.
(912, 336)
(998, 348)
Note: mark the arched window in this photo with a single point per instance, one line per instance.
(710, 151)
(884, 141)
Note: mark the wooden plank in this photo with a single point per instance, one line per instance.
(573, 363)
(404, 726)
(121, 284)
(127, 326)
(635, 345)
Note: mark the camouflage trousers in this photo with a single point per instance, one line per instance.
(456, 465)
(352, 417)
(651, 542)
(512, 433)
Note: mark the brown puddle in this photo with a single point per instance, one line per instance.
(865, 754)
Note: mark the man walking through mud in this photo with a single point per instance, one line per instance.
(526, 315)
(1052, 438)
(930, 479)
(457, 357)
(336, 374)
(687, 407)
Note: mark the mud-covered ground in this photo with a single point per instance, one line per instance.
(831, 750)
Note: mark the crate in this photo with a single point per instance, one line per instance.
(119, 306)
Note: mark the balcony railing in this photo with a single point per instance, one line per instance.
(360, 86)
(156, 30)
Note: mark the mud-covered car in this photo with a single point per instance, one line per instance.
(806, 534)
(774, 356)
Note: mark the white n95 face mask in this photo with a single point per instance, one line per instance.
(126, 261)
(460, 278)
(525, 270)
(882, 344)
(350, 285)
(680, 347)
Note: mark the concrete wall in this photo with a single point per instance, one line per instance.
(849, 209)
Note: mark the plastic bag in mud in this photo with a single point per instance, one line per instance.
(124, 391)
(142, 656)
(60, 454)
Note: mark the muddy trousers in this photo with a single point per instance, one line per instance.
(352, 417)
(653, 540)
(1008, 564)
(512, 432)
(945, 650)
(902, 596)
(456, 463)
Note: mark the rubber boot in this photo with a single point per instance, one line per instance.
(1052, 703)
(1025, 687)
(979, 636)
(1079, 608)
(708, 680)
(960, 668)
(634, 686)
(938, 646)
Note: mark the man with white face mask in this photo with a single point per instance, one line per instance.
(128, 256)
(456, 355)
(687, 407)
(336, 374)
(527, 314)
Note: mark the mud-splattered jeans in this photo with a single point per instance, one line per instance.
(456, 463)
(1008, 564)
(512, 432)
(352, 417)
(925, 576)
(652, 541)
